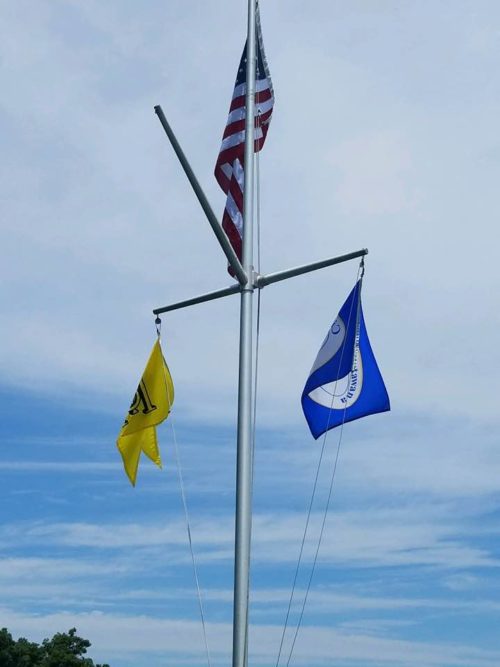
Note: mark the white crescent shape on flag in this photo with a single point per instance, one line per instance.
(331, 345)
(341, 393)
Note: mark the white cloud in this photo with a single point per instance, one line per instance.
(375, 175)
(38, 568)
(100, 218)
(398, 154)
(147, 638)
(57, 466)
(417, 536)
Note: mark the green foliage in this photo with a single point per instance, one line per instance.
(18, 654)
(63, 650)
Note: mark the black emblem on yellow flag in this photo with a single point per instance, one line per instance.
(141, 401)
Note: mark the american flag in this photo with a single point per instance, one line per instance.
(229, 169)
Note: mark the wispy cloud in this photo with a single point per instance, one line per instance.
(146, 638)
(383, 537)
(57, 466)
(99, 226)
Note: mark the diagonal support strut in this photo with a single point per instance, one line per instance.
(224, 242)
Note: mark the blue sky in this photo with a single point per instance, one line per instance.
(385, 135)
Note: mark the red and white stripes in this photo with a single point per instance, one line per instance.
(229, 169)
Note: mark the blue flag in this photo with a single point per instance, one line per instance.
(344, 383)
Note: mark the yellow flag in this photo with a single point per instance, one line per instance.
(150, 406)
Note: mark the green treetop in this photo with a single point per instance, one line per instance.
(63, 650)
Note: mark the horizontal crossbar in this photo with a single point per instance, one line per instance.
(261, 281)
(210, 296)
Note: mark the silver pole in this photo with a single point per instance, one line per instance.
(243, 527)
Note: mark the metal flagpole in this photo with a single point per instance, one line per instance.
(248, 281)
(243, 527)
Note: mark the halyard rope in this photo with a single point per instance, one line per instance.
(309, 512)
(186, 516)
(191, 549)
